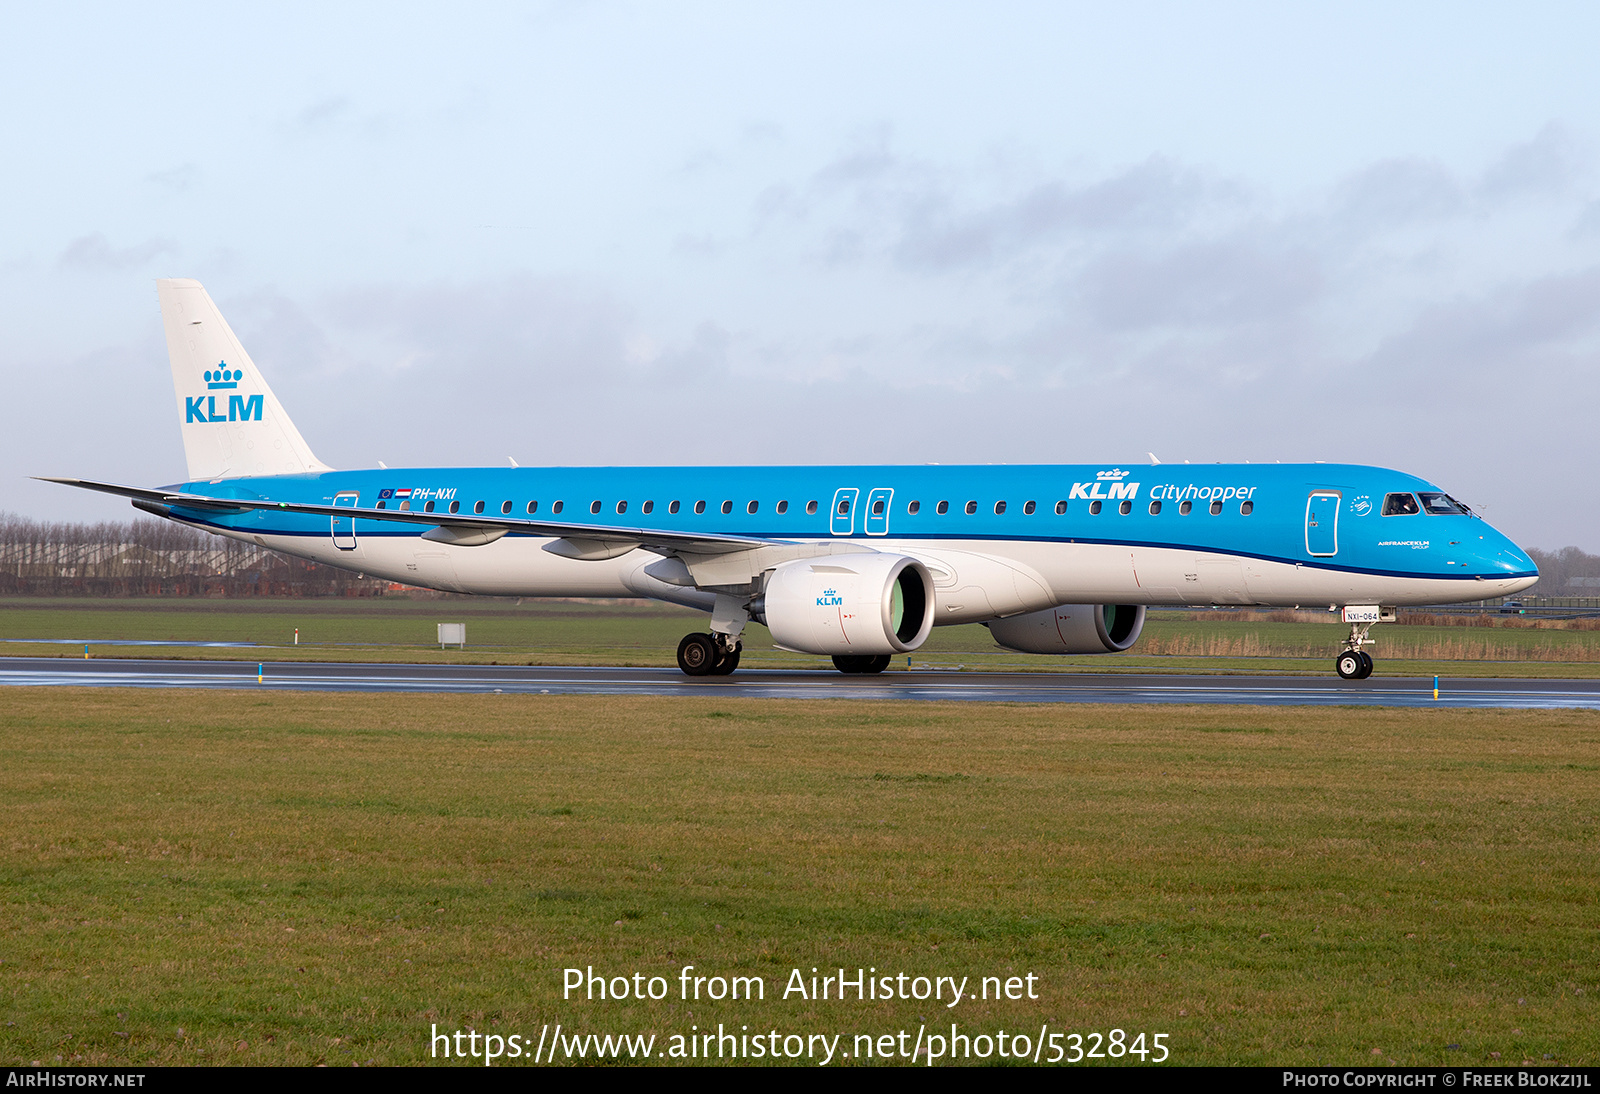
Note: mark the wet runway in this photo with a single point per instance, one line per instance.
(1326, 690)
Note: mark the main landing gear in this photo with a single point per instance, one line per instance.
(854, 664)
(709, 654)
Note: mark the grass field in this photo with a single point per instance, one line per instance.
(230, 877)
(602, 633)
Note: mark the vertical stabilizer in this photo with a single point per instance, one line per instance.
(233, 425)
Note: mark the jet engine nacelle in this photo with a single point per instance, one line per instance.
(865, 604)
(1071, 628)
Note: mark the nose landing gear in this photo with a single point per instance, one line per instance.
(1355, 663)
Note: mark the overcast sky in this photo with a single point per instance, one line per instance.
(614, 233)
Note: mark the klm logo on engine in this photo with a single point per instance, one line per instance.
(830, 598)
(1108, 486)
(240, 408)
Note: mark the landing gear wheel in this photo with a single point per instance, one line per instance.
(697, 655)
(1366, 665)
(727, 660)
(1350, 664)
(857, 663)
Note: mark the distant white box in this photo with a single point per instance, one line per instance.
(453, 634)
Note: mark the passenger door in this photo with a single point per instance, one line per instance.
(1322, 523)
(880, 500)
(344, 528)
(842, 518)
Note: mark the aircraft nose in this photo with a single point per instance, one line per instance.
(1501, 561)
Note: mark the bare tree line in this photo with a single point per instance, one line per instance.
(155, 558)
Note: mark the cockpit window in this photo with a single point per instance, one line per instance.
(1396, 505)
(1443, 504)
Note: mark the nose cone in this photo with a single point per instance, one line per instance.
(1503, 564)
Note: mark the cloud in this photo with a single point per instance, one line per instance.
(1546, 165)
(327, 109)
(1201, 285)
(95, 253)
(1394, 193)
(1155, 195)
(176, 179)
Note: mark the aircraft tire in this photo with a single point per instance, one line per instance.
(875, 664)
(848, 662)
(1349, 665)
(1366, 665)
(697, 655)
(727, 662)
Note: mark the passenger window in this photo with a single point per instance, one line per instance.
(972, 507)
(1155, 508)
(1028, 508)
(505, 507)
(811, 508)
(383, 505)
(1185, 508)
(942, 508)
(648, 507)
(1400, 505)
(594, 506)
(1246, 508)
(556, 507)
(1061, 507)
(533, 507)
(477, 506)
(999, 508)
(700, 506)
(428, 508)
(1125, 508)
(1442, 505)
(622, 507)
(727, 507)
(1216, 507)
(752, 507)
(783, 507)
(844, 506)
(406, 505)
(1094, 508)
(672, 507)
(455, 507)
(914, 508)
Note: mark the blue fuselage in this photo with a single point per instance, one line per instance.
(1270, 533)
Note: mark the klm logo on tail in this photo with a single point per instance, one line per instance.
(203, 408)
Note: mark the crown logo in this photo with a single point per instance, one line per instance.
(222, 377)
(829, 592)
(1116, 474)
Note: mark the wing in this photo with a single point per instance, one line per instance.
(588, 541)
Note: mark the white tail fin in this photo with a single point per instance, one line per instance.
(233, 425)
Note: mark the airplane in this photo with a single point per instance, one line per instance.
(857, 563)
